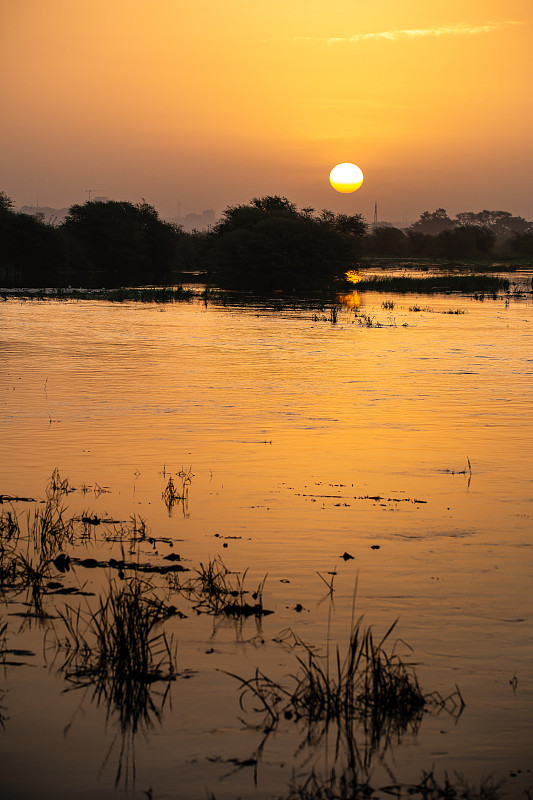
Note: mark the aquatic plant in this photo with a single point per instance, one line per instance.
(434, 283)
(58, 485)
(174, 495)
(120, 653)
(124, 294)
(49, 530)
(217, 590)
(43, 537)
(370, 689)
(9, 537)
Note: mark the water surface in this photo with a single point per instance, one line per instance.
(304, 440)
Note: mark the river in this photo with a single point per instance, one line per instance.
(382, 459)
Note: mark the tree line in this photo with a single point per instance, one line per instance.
(470, 235)
(266, 244)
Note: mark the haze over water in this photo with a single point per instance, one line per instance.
(306, 440)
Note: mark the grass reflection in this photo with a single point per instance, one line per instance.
(120, 653)
(369, 699)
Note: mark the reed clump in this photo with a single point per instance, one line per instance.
(370, 688)
(120, 653)
(119, 649)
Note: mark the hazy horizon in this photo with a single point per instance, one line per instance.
(210, 105)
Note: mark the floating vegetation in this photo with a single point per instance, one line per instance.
(461, 471)
(217, 590)
(9, 498)
(429, 284)
(456, 311)
(365, 320)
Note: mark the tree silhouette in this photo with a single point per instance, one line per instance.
(433, 222)
(120, 243)
(269, 244)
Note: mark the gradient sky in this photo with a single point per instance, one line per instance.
(212, 103)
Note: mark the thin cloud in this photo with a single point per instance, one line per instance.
(461, 29)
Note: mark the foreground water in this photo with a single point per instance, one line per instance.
(400, 437)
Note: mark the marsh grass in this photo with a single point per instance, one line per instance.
(370, 690)
(28, 551)
(132, 531)
(3, 652)
(32, 546)
(217, 590)
(58, 486)
(49, 528)
(174, 494)
(429, 284)
(461, 471)
(120, 653)
(9, 539)
(141, 295)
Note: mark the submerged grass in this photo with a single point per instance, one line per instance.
(118, 646)
(28, 554)
(369, 689)
(174, 494)
(217, 590)
(120, 652)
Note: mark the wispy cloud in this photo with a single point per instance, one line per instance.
(462, 29)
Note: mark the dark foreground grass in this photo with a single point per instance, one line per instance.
(430, 284)
(120, 653)
(217, 590)
(370, 696)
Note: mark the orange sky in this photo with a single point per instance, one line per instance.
(211, 103)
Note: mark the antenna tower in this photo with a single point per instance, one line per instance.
(92, 191)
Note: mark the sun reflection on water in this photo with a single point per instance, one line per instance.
(350, 300)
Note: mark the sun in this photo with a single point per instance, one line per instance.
(346, 178)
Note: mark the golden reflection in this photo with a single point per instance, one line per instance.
(351, 300)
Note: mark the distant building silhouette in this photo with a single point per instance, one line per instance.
(197, 222)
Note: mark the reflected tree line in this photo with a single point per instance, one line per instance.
(266, 244)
